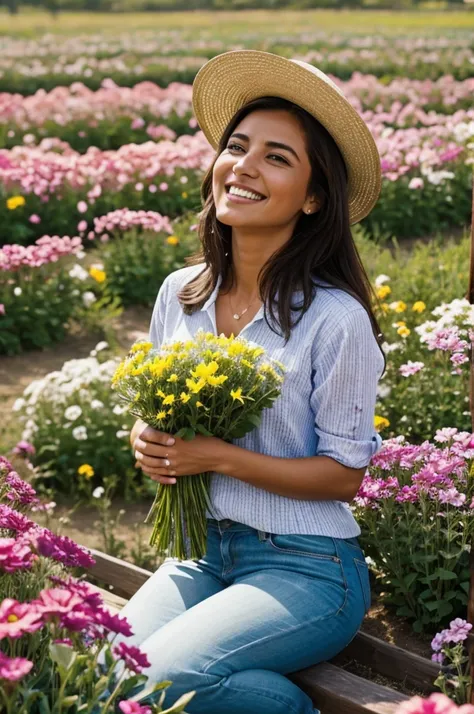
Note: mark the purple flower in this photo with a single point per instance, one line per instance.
(410, 368)
(135, 660)
(438, 641)
(458, 630)
(452, 496)
(5, 466)
(114, 623)
(57, 602)
(87, 591)
(437, 657)
(14, 668)
(23, 448)
(61, 548)
(64, 641)
(20, 490)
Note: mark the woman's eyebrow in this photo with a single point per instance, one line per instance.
(271, 144)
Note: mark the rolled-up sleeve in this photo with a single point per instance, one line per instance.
(157, 322)
(346, 366)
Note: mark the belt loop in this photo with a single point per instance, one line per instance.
(262, 536)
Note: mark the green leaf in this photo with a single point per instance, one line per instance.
(445, 608)
(202, 430)
(151, 689)
(254, 419)
(69, 701)
(432, 605)
(417, 626)
(63, 655)
(43, 705)
(444, 574)
(186, 433)
(405, 611)
(410, 579)
(180, 704)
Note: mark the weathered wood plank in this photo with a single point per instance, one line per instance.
(335, 691)
(125, 578)
(391, 661)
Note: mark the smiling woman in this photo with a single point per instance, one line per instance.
(283, 583)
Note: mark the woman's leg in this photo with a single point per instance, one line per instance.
(293, 601)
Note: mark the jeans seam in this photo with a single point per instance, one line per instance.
(315, 556)
(272, 636)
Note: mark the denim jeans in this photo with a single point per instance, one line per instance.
(255, 608)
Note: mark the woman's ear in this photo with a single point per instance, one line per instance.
(311, 205)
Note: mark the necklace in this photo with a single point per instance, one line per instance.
(236, 315)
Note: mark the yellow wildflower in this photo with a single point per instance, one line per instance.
(161, 415)
(184, 194)
(173, 378)
(195, 387)
(246, 363)
(419, 306)
(398, 306)
(172, 240)
(170, 410)
(141, 347)
(15, 202)
(216, 381)
(380, 423)
(168, 400)
(199, 404)
(160, 393)
(97, 274)
(403, 331)
(385, 307)
(204, 371)
(383, 291)
(400, 323)
(184, 397)
(86, 470)
(237, 394)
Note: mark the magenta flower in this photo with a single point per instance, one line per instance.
(135, 660)
(20, 490)
(17, 619)
(88, 593)
(435, 704)
(64, 641)
(14, 668)
(12, 520)
(62, 549)
(114, 623)
(57, 602)
(127, 706)
(15, 554)
(34, 218)
(452, 496)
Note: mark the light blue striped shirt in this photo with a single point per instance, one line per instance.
(326, 406)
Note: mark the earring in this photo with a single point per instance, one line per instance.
(308, 211)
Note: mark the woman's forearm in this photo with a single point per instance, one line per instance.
(308, 478)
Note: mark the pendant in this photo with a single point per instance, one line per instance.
(236, 317)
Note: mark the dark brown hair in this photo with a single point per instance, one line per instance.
(321, 246)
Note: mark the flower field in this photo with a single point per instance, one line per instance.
(101, 161)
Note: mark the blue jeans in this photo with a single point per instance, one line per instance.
(256, 607)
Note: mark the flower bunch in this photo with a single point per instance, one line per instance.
(435, 704)
(57, 637)
(214, 386)
(450, 651)
(425, 495)
(122, 220)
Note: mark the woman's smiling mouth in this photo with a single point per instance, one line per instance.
(237, 194)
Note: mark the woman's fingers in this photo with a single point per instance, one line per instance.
(160, 477)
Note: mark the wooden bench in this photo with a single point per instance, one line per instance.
(332, 689)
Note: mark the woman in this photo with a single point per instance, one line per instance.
(284, 583)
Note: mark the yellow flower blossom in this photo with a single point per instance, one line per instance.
(172, 240)
(385, 307)
(184, 397)
(403, 331)
(98, 275)
(400, 323)
(195, 387)
(237, 394)
(380, 423)
(184, 194)
(398, 306)
(204, 371)
(161, 415)
(383, 291)
(217, 381)
(172, 378)
(170, 410)
(246, 363)
(419, 306)
(200, 404)
(141, 347)
(160, 393)
(168, 400)
(86, 470)
(15, 202)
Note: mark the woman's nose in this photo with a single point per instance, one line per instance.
(246, 164)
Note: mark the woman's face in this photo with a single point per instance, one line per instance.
(266, 156)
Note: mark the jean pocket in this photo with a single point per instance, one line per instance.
(318, 547)
(363, 572)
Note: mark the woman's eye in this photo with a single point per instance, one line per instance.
(279, 158)
(234, 146)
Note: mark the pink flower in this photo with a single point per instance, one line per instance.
(416, 183)
(458, 630)
(127, 706)
(82, 207)
(57, 601)
(14, 668)
(2, 308)
(17, 619)
(435, 704)
(34, 218)
(82, 226)
(12, 520)
(15, 555)
(452, 496)
(20, 491)
(163, 186)
(62, 549)
(114, 623)
(23, 448)
(406, 370)
(135, 660)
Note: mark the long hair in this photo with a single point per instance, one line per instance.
(321, 247)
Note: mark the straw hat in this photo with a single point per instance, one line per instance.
(231, 80)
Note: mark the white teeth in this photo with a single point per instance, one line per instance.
(246, 194)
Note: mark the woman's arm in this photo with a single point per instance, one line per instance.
(311, 478)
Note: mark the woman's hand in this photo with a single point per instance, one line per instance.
(162, 456)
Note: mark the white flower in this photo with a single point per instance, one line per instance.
(383, 390)
(122, 433)
(118, 409)
(392, 346)
(77, 271)
(88, 298)
(98, 492)
(73, 412)
(18, 404)
(80, 433)
(17, 291)
(381, 279)
(97, 404)
(101, 346)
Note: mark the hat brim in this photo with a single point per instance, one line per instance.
(229, 81)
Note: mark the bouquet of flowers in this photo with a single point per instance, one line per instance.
(215, 386)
